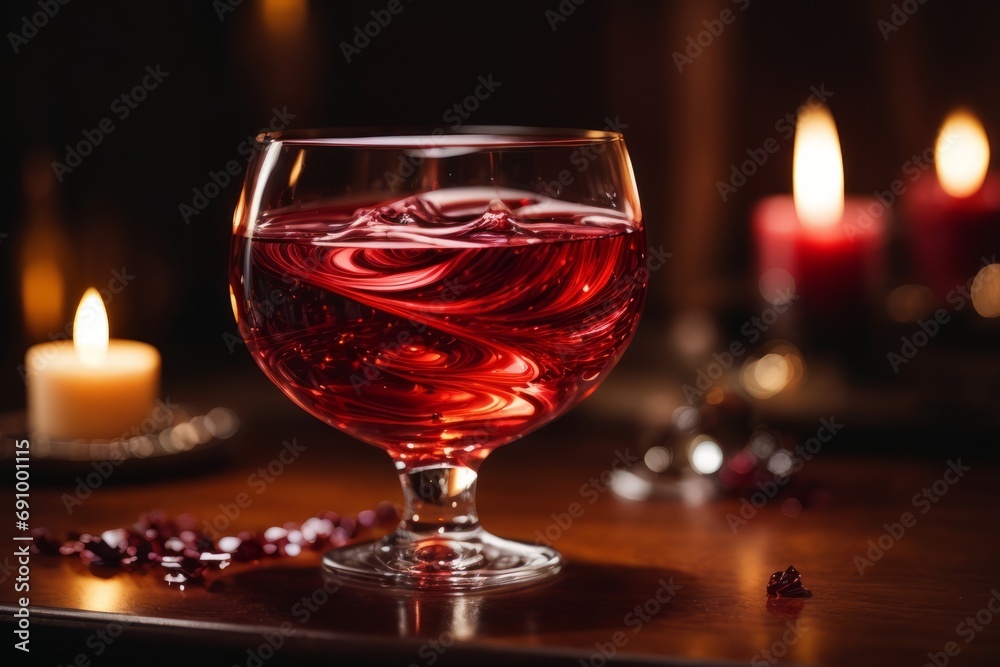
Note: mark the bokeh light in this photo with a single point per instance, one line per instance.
(986, 291)
(706, 455)
(909, 303)
(777, 286)
(657, 459)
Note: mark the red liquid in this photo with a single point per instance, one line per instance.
(432, 329)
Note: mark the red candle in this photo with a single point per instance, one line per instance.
(954, 219)
(832, 270)
(825, 250)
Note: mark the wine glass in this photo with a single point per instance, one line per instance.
(438, 295)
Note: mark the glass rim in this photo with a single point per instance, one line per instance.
(465, 136)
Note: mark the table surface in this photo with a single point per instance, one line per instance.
(913, 598)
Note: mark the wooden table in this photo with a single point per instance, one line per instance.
(620, 555)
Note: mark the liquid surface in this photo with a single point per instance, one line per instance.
(444, 325)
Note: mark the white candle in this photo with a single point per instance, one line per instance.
(91, 387)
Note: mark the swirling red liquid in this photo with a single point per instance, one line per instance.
(439, 335)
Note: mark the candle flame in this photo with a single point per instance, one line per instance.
(817, 169)
(962, 154)
(90, 329)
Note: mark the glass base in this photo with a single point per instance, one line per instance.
(456, 562)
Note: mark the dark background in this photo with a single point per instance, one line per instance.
(607, 60)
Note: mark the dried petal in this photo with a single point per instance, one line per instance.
(787, 584)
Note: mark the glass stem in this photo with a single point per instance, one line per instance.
(440, 500)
